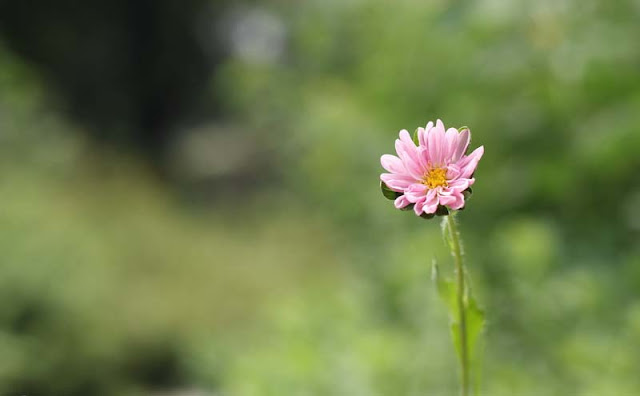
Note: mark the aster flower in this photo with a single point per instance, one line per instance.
(432, 175)
(431, 172)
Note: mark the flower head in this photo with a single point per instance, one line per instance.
(432, 171)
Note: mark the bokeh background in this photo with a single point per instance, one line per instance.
(189, 199)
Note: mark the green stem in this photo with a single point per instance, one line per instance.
(456, 252)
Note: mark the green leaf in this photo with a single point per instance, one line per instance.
(387, 192)
(475, 328)
(446, 290)
(475, 325)
(455, 336)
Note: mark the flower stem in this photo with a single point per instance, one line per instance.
(456, 252)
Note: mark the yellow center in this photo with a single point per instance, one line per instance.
(436, 177)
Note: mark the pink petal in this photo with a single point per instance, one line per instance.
(405, 137)
(463, 141)
(451, 137)
(416, 192)
(419, 207)
(425, 133)
(395, 182)
(392, 164)
(409, 156)
(436, 142)
(453, 172)
(455, 201)
(446, 200)
(431, 203)
(422, 138)
(461, 184)
(412, 148)
(401, 202)
(458, 205)
(424, 142)
(423, 152)
(469, 163)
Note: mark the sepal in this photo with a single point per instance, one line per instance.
(467, 193)
(387, 192)
(442, 211)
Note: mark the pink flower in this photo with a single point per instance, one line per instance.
(435, 172)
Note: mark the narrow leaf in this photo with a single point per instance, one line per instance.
(457, 341)
(475, 324)
(446, 290)
(475, 329)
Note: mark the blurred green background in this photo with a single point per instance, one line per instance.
(189, 199)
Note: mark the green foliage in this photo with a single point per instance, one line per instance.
(446, 290)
